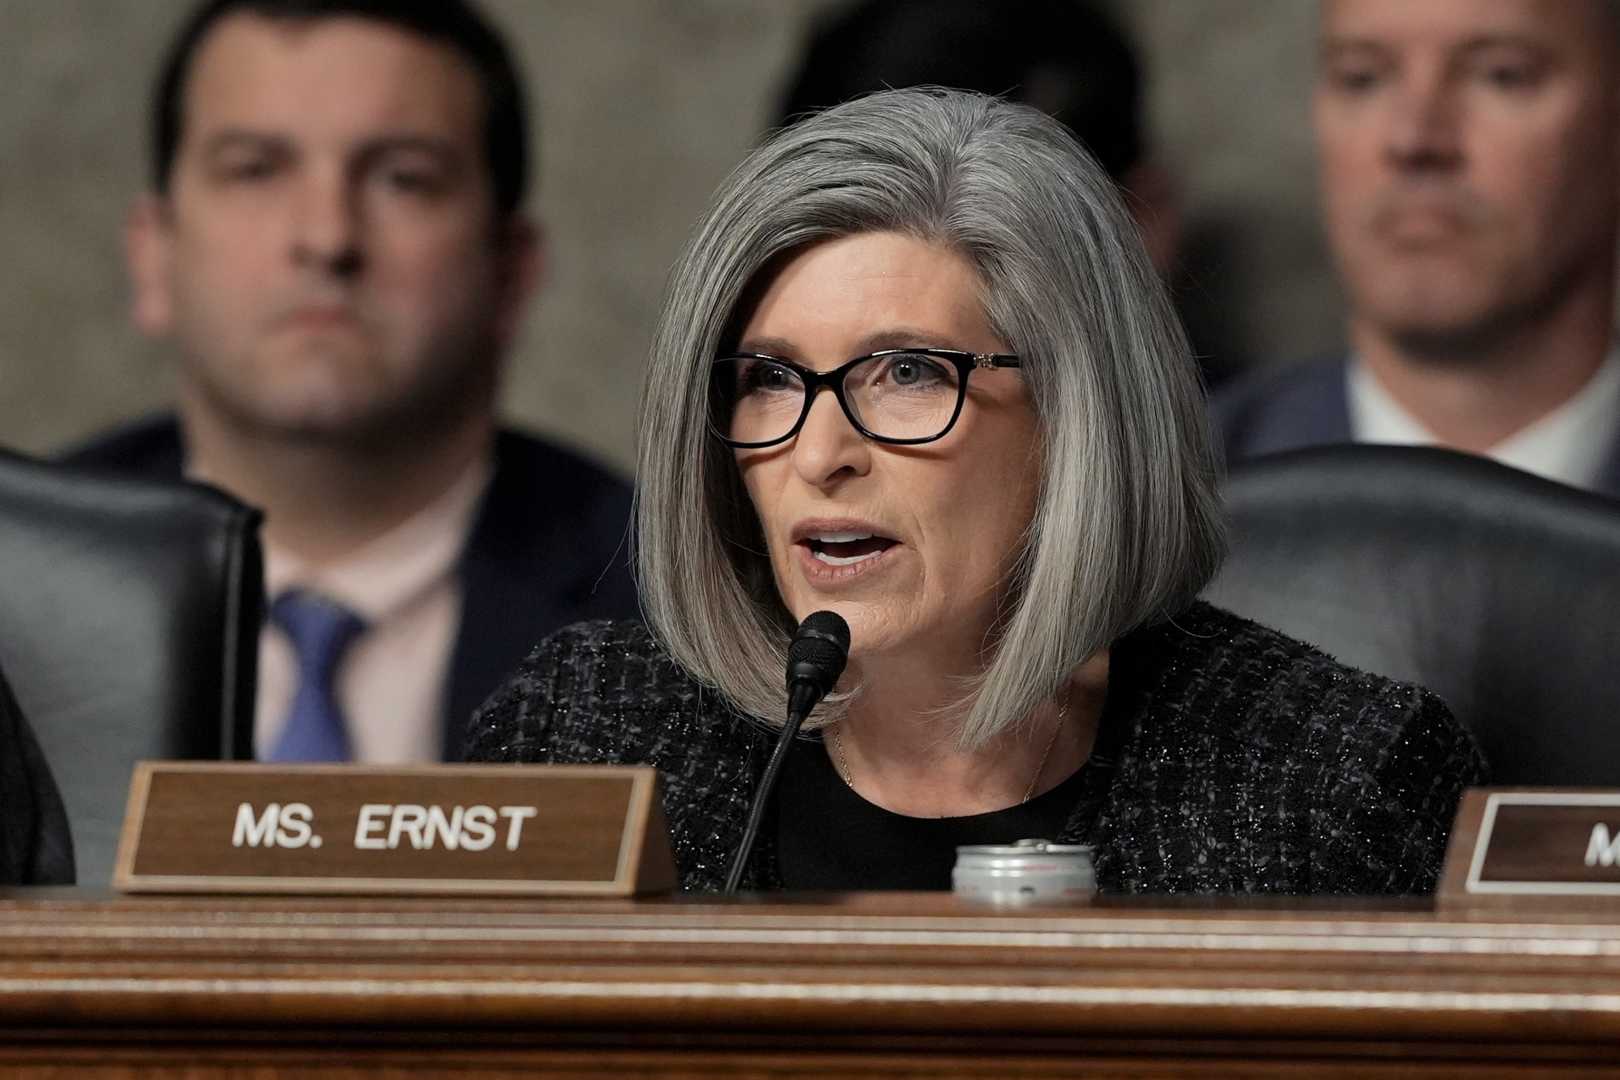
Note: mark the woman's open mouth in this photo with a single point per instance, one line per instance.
(829, 557)
(847, 549)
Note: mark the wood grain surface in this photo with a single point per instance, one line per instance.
(890, 985)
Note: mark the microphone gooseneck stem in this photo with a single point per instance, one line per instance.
(762, 797)
(815, 658)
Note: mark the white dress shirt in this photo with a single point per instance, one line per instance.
(1569, 444)
(391, 681)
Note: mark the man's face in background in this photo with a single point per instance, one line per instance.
(328, 254)
(1468, 155)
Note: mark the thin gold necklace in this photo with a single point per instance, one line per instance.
(837, 743)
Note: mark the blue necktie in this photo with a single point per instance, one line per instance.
(320, 629)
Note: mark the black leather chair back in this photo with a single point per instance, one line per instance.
(129, 623)
(1498, 590)
(36, 847)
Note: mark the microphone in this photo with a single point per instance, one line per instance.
(816, 658)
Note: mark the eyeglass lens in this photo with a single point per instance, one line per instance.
(894, 396)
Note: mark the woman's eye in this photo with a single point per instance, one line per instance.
(914, 371)
(767, 377)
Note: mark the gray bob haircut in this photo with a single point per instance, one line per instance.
(1127, 528)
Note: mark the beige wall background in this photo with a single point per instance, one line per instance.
(643, 105)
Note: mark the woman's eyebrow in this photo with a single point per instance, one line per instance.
(890, 337)
(770, 346)
(902, 337)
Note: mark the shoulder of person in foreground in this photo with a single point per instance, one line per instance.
(601, 691)
(1328, 779)
(36, 847)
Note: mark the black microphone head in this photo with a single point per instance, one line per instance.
(819, 651)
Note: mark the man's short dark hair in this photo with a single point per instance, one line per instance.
(1068, 59)
(455, 24)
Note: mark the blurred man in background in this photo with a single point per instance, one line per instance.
(1470, 176)
(1064, 57)
(335, 244)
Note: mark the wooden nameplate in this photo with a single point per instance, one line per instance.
(540, 830)
(1534, 849)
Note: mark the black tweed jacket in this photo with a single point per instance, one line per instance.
(1231, 759)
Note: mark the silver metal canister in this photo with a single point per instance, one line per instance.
(1027, 872)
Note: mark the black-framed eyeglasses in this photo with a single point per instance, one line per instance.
(903, 396)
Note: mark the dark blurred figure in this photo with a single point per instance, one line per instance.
(35, 848)
(1470, 176)
(1067, 58)
(334, 241)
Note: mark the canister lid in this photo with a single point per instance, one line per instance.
(1025, 847)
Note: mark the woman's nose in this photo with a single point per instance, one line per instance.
(828, 448)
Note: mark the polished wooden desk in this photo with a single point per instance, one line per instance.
(879, 985)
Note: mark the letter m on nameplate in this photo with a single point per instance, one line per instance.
(232, 827)
(1602, 849)
(254, 827)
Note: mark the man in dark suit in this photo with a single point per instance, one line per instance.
(334, 242)
(1470, 174)
(35, 848)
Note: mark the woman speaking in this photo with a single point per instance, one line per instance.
(914, 368)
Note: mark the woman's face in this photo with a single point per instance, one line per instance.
(910, 544)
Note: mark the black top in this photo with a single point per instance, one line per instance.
(857, 845)
(1246, 762)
